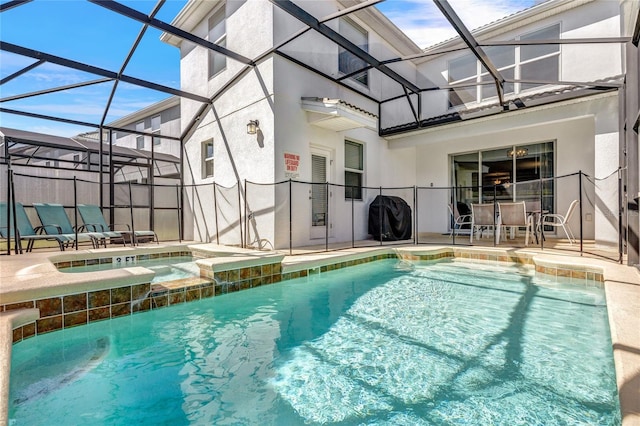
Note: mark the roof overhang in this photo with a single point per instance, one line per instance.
(191, 15)
(337, 115)
(538, 12)
(23, 137)
(455, 120)
(153, 109)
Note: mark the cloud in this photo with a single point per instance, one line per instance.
(477, 13)
(64, 131)
(58, 78)
(82, 109)
(41, 126)
(87, 111)
(423, 22)
(10, 63)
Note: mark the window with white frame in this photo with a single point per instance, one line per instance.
(347, 61)
(155, 129)
(140, 138)
(353, 170)
(540, 62)
(207, 159)
(218, 35)
(527, 62)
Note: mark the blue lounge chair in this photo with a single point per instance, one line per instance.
(94, 221)
(55, 222)
(26, 231)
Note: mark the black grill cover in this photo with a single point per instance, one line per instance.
(394, 214)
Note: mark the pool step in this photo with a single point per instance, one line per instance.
(161, 288)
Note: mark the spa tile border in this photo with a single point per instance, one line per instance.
(77, 309)
(103, 260)
(574, 275)
(579, 274)
(72, 310)
(360, 261)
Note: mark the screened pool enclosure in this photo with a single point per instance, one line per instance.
(148, 183)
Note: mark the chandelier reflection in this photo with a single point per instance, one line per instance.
(518, 152)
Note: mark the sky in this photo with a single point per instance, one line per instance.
(93, 35)
(423, 22)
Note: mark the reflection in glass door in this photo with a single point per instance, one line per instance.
(497, 175)
(512, 173)
(535, 162)
(465, 180)
(318, 195)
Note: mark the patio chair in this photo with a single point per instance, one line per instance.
(514, 215)
(459, 221)
(482, 217)
(93, 221)
(557, 220)
(55, 222)
(26, 231)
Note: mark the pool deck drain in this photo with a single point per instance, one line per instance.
(34, 277)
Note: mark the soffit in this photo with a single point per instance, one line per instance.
(337, 115)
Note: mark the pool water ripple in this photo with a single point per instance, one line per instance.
(444, 343)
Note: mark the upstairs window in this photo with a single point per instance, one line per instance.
(463, 70)
(155, 129)
(207, 159)
(534, 62)
(218, 35)
(140, 138)
(504, 59)
(347, 61)
(540, 62)
(353, 170)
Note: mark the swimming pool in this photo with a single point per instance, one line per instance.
(445, 343)
(166, 268)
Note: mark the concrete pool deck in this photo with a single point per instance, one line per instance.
(35, 276)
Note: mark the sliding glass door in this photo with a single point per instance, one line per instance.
(465, 177)
(512, 173)
(535, 163)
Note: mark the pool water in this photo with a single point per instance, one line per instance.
(166, 268)
(444, 343)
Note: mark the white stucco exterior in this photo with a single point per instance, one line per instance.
(584, 130)
(584, 141)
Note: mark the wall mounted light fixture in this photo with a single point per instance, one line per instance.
(252, 127)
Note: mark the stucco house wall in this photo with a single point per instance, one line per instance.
(296, 134)
(283, 126)
(584, 131)
(237, 155)
(576, 19)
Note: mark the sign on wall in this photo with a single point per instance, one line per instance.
(291, 164)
